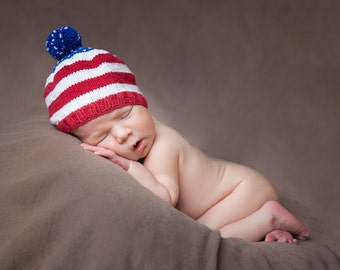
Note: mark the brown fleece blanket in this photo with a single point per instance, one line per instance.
(251, 82)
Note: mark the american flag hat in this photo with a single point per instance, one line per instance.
(85, 83)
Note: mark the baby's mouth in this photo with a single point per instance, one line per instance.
(136, 145)
(139, 145)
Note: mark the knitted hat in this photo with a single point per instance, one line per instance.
(86, 82)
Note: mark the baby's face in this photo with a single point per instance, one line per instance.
(128, 131)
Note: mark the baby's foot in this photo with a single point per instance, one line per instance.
(280, 236)
(284, 221)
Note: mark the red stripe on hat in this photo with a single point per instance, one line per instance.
(100, 107)
(89, 85)
(81, 65)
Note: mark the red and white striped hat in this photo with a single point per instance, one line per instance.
(86, 82)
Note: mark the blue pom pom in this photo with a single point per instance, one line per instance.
(63, 41)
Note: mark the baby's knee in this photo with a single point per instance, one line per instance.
(270, 193)
(264, 191)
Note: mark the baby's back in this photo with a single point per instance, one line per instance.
(203, 181)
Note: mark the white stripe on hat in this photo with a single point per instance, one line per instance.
(86, 55)
(91, 97)
(83, 75)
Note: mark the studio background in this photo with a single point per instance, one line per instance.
(255, 82)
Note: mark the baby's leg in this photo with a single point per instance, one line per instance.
(249, 211)
(246, 198)
(272, 220)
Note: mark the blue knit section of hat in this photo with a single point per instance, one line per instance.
(62, 41)
(79, 50)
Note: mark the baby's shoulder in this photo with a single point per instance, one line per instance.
(166, 149)
(168, 134)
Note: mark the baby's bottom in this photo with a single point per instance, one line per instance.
(246, 198)
(251, 212)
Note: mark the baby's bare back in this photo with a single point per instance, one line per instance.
(204, 181)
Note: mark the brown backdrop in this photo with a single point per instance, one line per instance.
(254, 82)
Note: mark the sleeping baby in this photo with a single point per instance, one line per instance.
(93, 95)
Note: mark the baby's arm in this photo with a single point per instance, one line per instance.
(140, 173)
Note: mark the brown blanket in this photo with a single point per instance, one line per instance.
(248, 82)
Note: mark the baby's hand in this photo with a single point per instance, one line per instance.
(109, 154)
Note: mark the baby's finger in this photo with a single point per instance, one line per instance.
(104, 153)
(89, 147)
(99, 151)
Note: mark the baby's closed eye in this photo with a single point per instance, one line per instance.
(125, 115)
(102, 138)
(126, 112)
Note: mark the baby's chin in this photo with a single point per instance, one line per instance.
(135, 157)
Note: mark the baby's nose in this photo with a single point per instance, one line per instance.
(122, 134)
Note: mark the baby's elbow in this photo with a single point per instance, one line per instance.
(173, 200)
(168, 189)
(170, 197)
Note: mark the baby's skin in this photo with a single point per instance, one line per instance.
(225, 196)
